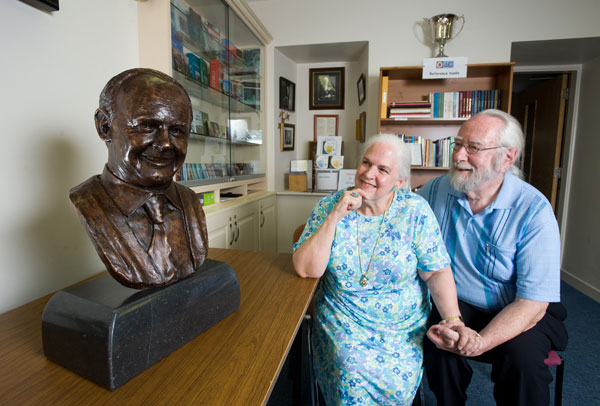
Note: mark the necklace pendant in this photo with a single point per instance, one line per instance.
(363, 281)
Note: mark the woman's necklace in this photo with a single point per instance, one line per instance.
(363, 276)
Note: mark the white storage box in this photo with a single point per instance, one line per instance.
(326, 179)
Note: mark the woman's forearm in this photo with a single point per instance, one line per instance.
(311, 258)
(443, 291)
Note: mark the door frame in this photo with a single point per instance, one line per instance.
(569, 136)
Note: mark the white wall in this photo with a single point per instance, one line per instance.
(392, 29)
(283, 66)
(581, 258)
(53, 67)
(303, 118)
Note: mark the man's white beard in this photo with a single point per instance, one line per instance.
(463, 182)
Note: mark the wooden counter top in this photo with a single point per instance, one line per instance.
(236, 362)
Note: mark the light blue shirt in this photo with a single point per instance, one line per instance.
(511, 248)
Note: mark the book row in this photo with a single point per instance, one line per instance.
(409, 109)
(465, 103)
(205, 38)
(202, 126)
(429, 153)
(461, 104)
(194, 171)
(200, 53)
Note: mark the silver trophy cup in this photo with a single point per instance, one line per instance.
(443, 29)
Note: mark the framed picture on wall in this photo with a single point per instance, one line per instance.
(287, 94)
(361, 89)
(326, 89)
(326, 125)
(288, 135)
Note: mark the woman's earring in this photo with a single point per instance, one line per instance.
(394, 189)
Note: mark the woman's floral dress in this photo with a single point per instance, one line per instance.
(367, 341)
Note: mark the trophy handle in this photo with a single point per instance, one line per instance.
(422, 31)
(462, 18)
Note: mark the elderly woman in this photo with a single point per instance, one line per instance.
(378, 248)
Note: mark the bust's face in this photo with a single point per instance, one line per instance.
(149, 132)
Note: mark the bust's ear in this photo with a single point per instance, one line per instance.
(103, 123)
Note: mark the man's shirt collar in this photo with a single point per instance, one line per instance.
(504, 199)
(129, 198)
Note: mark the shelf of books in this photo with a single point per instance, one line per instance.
(429, 112)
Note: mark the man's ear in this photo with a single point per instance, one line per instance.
(103, 124)
(511, 155)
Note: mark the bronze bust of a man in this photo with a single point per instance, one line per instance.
(148, 230)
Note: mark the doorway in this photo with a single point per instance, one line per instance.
(540, 105)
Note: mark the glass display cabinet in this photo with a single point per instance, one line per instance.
(219, 59)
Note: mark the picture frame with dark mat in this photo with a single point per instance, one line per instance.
(288, 135)
(326, 88)
(361, 89)
(287, 94)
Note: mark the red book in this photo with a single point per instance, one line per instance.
(216, 74)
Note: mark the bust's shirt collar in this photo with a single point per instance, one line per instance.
(129, 198)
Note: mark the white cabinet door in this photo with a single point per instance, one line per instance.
(267, 217)
(249, 226)
(244, 226)
(218, 226)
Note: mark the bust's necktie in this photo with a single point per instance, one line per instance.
(159, 249)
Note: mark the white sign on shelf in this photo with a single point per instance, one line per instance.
(444, 68)
(346, 178)
(299, 166)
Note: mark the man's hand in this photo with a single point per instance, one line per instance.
(457, 338)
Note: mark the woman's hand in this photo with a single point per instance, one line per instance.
(350, 201)
(456, 338)
(311, 258)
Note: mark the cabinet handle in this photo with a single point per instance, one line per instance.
(237, 229)
(262, 222)
(231, 231)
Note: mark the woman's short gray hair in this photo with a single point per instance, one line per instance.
(401, 152)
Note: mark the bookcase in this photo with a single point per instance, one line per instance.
(215, 49)
(404, 84)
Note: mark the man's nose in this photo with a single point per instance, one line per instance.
(162, 140)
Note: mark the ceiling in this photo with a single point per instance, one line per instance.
(330, 52)
(555, 52)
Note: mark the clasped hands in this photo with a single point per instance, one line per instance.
(457, 338)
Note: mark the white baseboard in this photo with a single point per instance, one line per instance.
(581, 285)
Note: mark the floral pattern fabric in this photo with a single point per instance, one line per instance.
(367, 341)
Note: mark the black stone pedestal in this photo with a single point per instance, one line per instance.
(109, 333)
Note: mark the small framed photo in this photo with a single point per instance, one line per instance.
(287, 94)
(326, 89)
(326, 125)
(288, 135)
(361, 89)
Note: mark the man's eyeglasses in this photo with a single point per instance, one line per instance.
(471, 149)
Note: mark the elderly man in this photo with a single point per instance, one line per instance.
(503, 240)
(148, 230)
